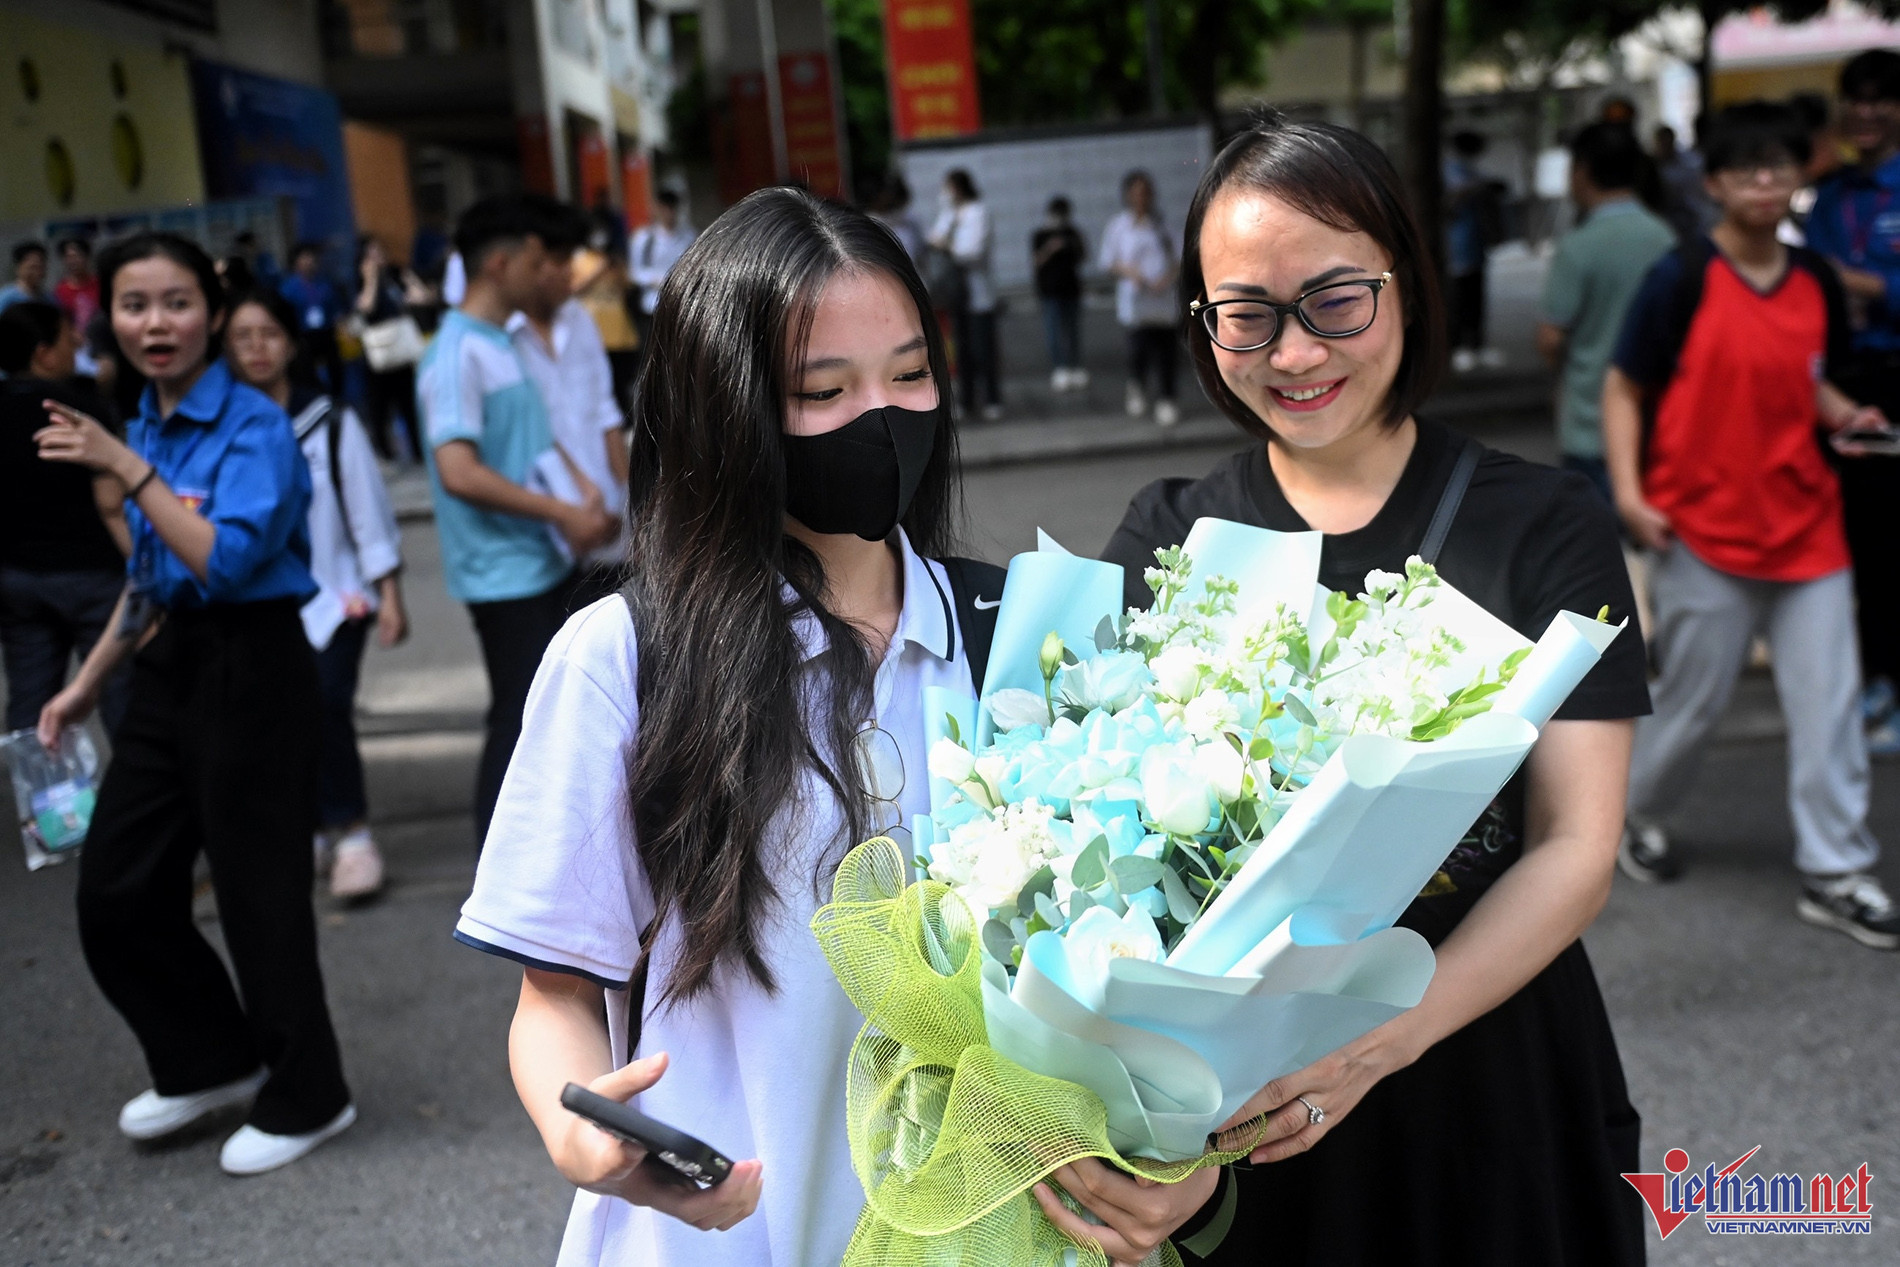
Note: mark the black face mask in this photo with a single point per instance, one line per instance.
(861, 477)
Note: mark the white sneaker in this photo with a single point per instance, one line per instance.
(149, 1115)
(992, 413)
(252, 1152)
(1463, 361)
(1061, 379)
(1136, 401)
(1167, 413)
(1079, 379)
(1491, 358)
(357, 871)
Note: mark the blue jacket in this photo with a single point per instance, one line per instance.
(229, 453)
(1856, 220)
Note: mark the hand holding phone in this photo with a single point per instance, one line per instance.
(606, 1163)
(684, 1158)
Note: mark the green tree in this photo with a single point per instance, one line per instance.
(1066, 61)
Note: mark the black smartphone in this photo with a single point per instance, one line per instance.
(1878, 443)
(681, 1156)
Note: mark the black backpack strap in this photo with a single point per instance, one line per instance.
(976, 590)
(1450, 499)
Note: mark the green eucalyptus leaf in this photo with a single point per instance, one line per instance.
(1180, 905)
(1298, 711)
(999, 941)
(1132, 873)
(1044, 881)
(1091, 866)
(1036, 924)
(1079, 901)
(1105, 638)
(1048, 911)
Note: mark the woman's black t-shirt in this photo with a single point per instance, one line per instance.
(1528, 542)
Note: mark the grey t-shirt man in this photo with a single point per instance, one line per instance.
(1594, 274)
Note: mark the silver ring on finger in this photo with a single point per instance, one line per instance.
(1315, 1115)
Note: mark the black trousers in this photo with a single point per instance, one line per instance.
(514, 634)
(978, 371)
(1467, 309)
(1151, 355)
(217, 753)
(46, 618)
(387, 395)
(341, 795)
(1870, 491)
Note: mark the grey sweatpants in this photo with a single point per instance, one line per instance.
(1704, 621)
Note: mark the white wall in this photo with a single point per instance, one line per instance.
(1018, 177)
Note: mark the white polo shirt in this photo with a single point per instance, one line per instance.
(577, 387)
(561, 887)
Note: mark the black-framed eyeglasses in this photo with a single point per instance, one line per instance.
(1333, 311)
(881, 778)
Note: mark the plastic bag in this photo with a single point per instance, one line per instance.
(53, 792)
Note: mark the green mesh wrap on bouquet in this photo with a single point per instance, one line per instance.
(948, 1136)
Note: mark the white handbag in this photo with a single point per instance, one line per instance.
(393, 344)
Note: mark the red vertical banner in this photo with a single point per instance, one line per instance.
(932, 68)
(636, 183)
(592, 166)
(537, 154)
(742, 137)
(811, 123)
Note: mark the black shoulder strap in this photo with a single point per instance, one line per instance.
(976, 588)
(1449, 500)
(333, 438)
(1687, 296)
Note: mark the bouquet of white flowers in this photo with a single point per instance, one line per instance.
(1167, 848)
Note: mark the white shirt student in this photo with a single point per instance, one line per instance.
(354, 540)
(963, 229)
(561, 886)
(577, 387)
(655, 248)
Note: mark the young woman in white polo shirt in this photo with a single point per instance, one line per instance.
(680, 798)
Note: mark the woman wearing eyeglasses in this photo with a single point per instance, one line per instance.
(699, 751)
(1489, 1125)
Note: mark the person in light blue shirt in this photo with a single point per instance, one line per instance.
(507, 541)
(218, 745)
(29, 276)
(1855, 222)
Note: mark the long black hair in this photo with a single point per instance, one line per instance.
(1343, 180)
(733, 717)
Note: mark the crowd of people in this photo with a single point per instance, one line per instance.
(697, 494)
(219, 556)
(1705, 335)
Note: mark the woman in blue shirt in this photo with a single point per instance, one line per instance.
(217, 751)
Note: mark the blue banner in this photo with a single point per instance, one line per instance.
(266, 137)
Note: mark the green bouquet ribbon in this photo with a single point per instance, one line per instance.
(947, 1135)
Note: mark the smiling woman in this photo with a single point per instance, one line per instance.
(1488, 1126)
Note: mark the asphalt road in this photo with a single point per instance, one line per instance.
(1738, 1024)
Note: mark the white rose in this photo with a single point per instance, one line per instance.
(1209, 713)
(951, 761)
(1223, 769)
(1177, 673)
